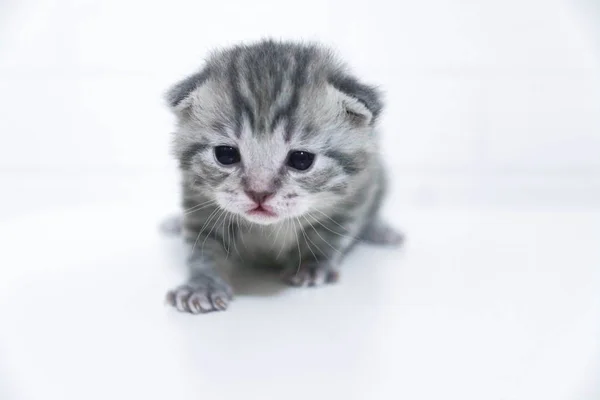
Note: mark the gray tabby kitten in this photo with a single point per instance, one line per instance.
(279, 157)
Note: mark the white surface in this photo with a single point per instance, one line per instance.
(492, 132)
(479, 305)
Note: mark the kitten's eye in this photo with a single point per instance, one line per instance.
(227, 155)
(300, 160)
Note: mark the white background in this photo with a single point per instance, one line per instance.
(492, 106)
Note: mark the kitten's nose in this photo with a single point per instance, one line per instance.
(259, 197)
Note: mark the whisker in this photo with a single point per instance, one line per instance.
(236, 227)
(198, 209)
(285, 223)
(204, 227)
(211, 229)
(331, 219)
(271, 233)
(197, 206)
(230, 231)
(276, 232)
(322, 238)
(306, 238)
(223, 236)
(330, 230)
(299, 251)
(240, 221)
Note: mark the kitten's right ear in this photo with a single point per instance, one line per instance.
(362, 102)
(179, 96)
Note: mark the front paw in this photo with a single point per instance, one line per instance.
(202, 295)
(311, 274)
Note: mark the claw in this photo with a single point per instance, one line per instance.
(200, 296)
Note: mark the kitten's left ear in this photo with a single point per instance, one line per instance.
(178, 96)
(362, 103)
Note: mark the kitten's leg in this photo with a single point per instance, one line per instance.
(172, 225)
(205, 290)
(380, 233)
(323, 244)
(313, 273)
(326, 242)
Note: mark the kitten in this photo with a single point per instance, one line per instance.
(279, 156)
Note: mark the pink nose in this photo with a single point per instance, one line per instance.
(259, 197)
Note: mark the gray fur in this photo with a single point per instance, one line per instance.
(268, 99)
(187, 86)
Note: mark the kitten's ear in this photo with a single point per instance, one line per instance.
(179, 96)
(362, 103)
(355, 111)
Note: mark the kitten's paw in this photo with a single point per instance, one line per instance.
(380, 233)
(200, 297)
(311, 274)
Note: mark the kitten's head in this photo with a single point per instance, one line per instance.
(274, 130)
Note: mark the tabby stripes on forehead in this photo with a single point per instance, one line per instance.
(298, 81)
(263, 77)
(240, 103)
(219, 127)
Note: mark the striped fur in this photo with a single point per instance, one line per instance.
(268, 99)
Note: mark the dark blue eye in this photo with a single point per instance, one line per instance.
(300, 160)
(227, 155)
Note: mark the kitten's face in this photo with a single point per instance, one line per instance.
(266, 179)
(271, 132)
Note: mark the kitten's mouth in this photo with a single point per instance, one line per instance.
(262, 211)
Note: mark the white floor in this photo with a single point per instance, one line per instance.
(479, 305)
